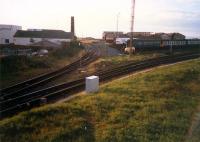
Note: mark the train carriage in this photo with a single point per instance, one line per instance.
(141, 45)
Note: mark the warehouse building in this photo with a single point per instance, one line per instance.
(140, 34)
(11, 34)
(7, 32)
(51, 38)
(43, 37)
(110, 36)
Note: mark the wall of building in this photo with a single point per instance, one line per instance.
(111, 35)
(59, 41)
(25, 41)
(29, 41)
(7, 32)
(120, 41)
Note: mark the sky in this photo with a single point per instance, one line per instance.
(92, 17)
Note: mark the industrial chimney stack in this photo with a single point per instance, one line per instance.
(72, 26)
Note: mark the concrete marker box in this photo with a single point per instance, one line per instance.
(92, 84)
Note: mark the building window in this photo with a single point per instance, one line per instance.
(32, 40)
(7, 41)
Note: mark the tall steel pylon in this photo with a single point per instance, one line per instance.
(132, 22)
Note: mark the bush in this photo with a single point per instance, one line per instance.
(70, 51)
(14, 64)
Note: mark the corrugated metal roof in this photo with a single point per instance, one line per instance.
(58, 34)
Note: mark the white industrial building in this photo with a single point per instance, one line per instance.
(42, 37)
(10, 34)
(7, 32)
(120, 41)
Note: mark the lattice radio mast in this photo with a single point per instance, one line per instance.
(132, 22)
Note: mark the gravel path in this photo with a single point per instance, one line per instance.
(194, 130)
(104, 50)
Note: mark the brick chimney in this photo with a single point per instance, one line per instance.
(72, 26)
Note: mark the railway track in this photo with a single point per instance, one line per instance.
(49, 95)
(29, 85)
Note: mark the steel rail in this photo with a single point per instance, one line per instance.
(87, 59)
(28, 82)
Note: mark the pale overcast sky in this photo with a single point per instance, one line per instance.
(92, 17)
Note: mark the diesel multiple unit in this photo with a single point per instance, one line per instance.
(163, 44)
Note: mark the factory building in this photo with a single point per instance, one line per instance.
(140, 34)
(7, 32)
(51, 38)
(110, 36)
(44, 37)
(11, 34)
(122, 38)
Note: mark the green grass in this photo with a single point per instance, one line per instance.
(194, 131)
(135, 57)
(138, 56)
(109, 62)
(157, 106)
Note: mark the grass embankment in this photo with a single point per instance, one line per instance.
(154, 106)
(18, 68)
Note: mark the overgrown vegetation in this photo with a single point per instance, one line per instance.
(136, 57)
(157, 106)
(18, 68)
(12, 64)
(72, 50)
